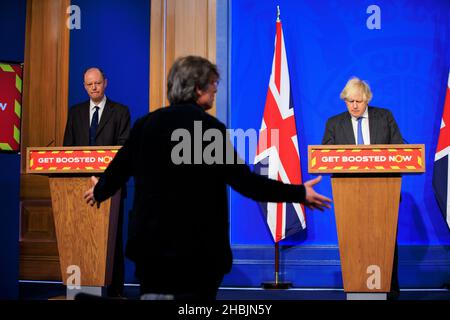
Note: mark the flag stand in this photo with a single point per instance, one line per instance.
(277, 284)
(278, 104)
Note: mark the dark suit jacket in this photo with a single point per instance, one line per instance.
(382, 127)
(180, 213)
(113, 129)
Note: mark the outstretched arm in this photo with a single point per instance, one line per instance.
(260, 188)
(117, 173)
(313, 199)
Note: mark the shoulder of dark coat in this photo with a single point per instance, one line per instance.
(79, 106)
(341, 116)
(378, 111)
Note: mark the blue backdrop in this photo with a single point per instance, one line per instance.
(12, 17)
(406, 63)
(115, 36)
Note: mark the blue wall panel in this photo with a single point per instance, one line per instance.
(12, 39)
(406, 63)
(115, 36)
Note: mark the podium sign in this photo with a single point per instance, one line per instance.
(366, 158)
(69, 159)
(366, 185)
(85, 235)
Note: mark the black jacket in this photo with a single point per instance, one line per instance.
(180, 212)
(113, 129)
(382, 127)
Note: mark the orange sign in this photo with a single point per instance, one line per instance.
(385, 158)
(67, 161)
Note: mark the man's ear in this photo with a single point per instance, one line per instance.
(198, 91)
(106, 82)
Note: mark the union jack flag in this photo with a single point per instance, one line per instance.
(277, 154)
(441, 173)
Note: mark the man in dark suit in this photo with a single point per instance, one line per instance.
(377, 125)
(101, 122)
(362, 124)
(113, 119)
(179, 233)
(382, 128)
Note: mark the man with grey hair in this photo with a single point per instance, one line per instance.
(361, 123)
(179, 232)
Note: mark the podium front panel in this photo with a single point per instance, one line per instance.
(366, 219)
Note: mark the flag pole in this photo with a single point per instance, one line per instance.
(277, 263)
(276, 82)
(277, 284)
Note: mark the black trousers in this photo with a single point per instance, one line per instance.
(181, 281)
(118, 272)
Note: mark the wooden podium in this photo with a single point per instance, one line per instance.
(85, 235)
(366, 185)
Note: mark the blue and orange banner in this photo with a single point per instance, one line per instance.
(369, 158)
(10, 106)
(69, 160)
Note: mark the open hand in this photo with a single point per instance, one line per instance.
(313, 199)
(89, 195)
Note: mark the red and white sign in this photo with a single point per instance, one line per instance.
(398, 158)
(69, 160)
(10, 106)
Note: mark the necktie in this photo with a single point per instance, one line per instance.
(360, 134)
(93, 127)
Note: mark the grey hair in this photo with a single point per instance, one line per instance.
(356, 84)
(187, 75)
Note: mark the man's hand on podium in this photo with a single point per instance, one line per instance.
(313, 199)
(89, 195)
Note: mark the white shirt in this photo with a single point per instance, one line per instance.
(364, 127)
(92, 106)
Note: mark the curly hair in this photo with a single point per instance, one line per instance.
(356, 84)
